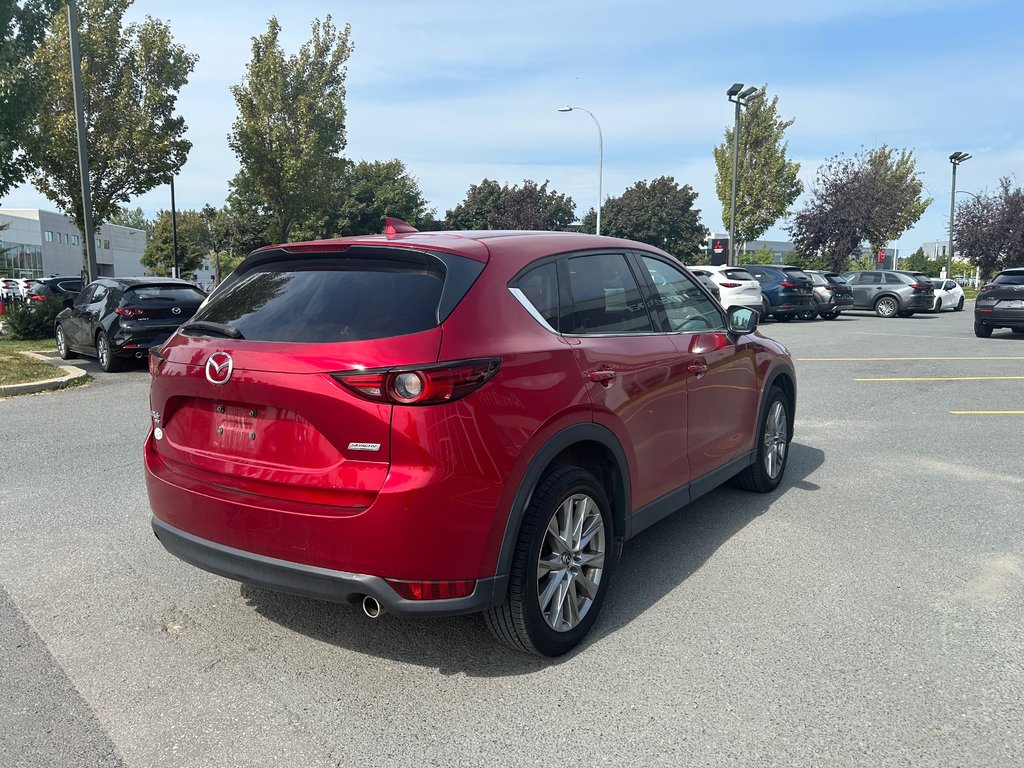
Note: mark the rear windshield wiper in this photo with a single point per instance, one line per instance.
(218, 328)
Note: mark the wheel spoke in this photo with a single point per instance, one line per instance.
(590, 531)
(572, 605)
(554, 579)
(548, 564)
(587, 585)
(554, 536)
(592, 560)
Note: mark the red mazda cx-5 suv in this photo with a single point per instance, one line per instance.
(450, 422)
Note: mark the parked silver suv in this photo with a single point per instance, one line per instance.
(890, 292)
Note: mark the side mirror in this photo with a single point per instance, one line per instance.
(741, 320)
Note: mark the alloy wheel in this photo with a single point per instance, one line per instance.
(571, 562)
(102, 350)
(886, 307)
(62, 348)
(776, 432)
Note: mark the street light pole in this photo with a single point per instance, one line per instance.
(91, 268)
(955, 159)
(740, 98)
(600, 159)
(174, 232)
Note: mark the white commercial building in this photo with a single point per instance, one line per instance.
(38, 243)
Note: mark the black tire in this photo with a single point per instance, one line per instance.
(1017, 329)
(783, 318)
(62, 344)
(108, 362)
(520, 621)
(830, 315)
(808, 314)
(960, 305)
(982, 331)
(904, 313)
(887, 306)
(938, 307)
(758, 476)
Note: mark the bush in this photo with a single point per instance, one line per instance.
(33, 319)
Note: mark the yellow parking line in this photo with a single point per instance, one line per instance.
(945, 378)
(985, 413)
(862, 359)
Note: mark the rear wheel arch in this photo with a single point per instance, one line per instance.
(589, 446)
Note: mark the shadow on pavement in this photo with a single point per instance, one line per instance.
(653, 564)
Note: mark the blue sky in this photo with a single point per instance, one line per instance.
(460, 91)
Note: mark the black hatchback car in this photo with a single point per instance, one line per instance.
(116, 318)
(1000, 303)
(51, 287)
(786, 291)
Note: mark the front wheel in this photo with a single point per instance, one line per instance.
(886, 306)
(62, 344)
(108, 362)
(561, 567)
(783, 318)
(982, 331)
(830, 315)
(766, 472)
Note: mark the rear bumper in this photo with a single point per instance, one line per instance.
(790, 305)
(318, 583)
(126, 342)
(999, 317)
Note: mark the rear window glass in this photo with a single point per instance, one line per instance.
(1010, 278)
(818, 279)
(797, 273)
(330, 300)
(738, 274)
(164, 293)
(892, 278)
(835, 279)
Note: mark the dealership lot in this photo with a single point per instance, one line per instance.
(867, 612)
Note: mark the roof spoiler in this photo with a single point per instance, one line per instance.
(393, 226)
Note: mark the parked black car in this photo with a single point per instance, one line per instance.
(49, 287)
(116, 318)
(832, 294)
(890, 292)
(785, 291)
(1000, 304)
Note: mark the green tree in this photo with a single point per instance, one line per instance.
(918, 261)
(22, 26)
(768, 181)
(290, 129)
(193, 244)
(231, 235)
(489, 205)
(873, 197)
(375, 190)
(135, 218)
(659, 213)
(131, 76)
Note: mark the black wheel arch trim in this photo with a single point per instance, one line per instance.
(577, 433)
(769, 381)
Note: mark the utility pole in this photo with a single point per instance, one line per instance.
(90, 271)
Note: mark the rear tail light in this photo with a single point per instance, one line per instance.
(731, 285)
(432, 590)
(789, 284)
(987, 287)
(155, 361)
(422, 385)
(919, 287)
(829, 287)
(130, 311)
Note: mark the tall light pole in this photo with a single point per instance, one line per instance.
(600, 158)
(741, 98)
(174, 232)
(955, 159)
(91, 269)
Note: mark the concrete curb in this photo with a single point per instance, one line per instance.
(71, 373)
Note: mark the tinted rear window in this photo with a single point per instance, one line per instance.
(738, 274)
(1010, 278)
(182, 293)
(330, 300)
(799, 274)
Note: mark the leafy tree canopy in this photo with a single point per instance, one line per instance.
(135, 218)
(768, 182)
(873, 197)
(659, 213)
(193, 244)
(22, 26)
(131, 76)
(988, 230)
(290, 129)
(489, 205)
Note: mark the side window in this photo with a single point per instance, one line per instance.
(870, 278)
(680, 300)
(605, 297)
(539, 288)
(85, 297)
(891, 279)
(98, 295)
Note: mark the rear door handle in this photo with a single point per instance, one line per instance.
(601, 376)
(698, 367)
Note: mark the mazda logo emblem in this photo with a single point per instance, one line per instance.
(218, 368)
(176, 311)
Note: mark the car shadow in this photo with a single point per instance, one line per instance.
(652, 565)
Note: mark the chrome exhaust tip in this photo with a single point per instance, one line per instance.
(371, 607)
(139, 355)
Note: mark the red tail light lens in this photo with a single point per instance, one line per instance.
(130, 311)
(789, 284)
(829, 287)
(919, 287)
(155, 361)
(422, 385)
(730, 285)
(432, 590)
(986, 287)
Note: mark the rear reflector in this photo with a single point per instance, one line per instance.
(422, 385)
(432, 590)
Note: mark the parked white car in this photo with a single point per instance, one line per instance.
(737, 286)
(948, 295)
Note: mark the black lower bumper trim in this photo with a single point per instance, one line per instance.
(318, 583)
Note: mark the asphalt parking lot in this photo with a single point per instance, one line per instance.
(868, 612)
